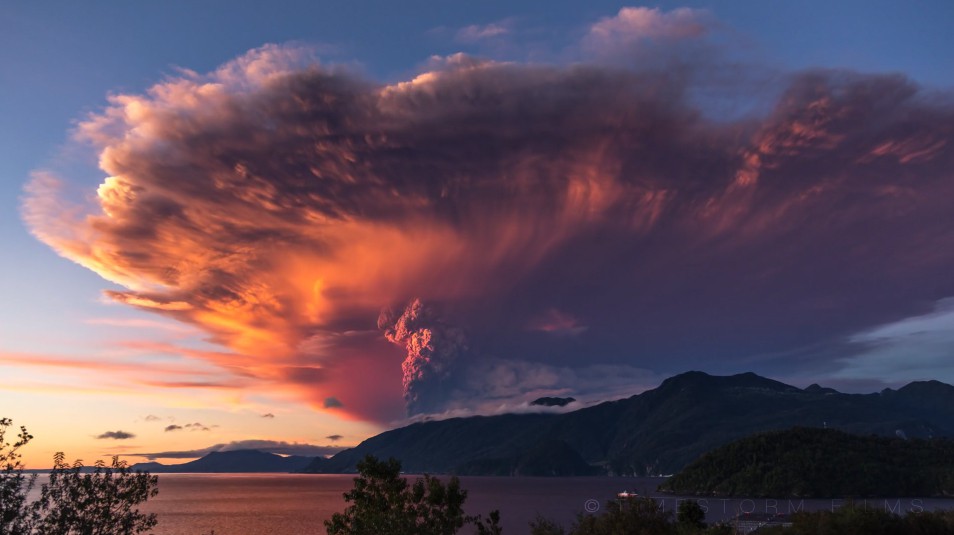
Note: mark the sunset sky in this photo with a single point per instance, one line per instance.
(292, 225)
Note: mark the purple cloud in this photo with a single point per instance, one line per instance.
(531, 220)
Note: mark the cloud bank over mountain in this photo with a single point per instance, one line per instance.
(269, 446)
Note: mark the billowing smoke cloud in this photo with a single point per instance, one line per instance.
(433, 349)
(574, 218)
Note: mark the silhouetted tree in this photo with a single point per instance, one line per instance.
(690, 516)
(545, 526)
(16, 517)
(489, 526)
(101, 502)
(635, 516)
(383, 502)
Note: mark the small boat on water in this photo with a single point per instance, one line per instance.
(627, 494)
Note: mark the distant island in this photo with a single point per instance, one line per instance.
(238, 461)
(659, 431)
(820, 463)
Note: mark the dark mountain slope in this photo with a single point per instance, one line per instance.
(231, 462)
(660, 430)
(442, 446)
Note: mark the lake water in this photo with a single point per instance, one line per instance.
(293, 504)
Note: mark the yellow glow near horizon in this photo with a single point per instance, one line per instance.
(66, 402)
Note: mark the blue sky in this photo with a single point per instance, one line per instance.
(60, 60)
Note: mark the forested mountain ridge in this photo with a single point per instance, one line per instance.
(659, 431)
(820, 463)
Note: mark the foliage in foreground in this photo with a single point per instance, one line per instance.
(101, 502)
(384, 502)
(644, 516)
(15, 514)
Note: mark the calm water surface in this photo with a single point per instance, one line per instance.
(292, 504)
(298, 504)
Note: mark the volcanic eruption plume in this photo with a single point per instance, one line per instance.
(433, 349)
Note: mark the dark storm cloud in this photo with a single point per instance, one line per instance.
(196, 426)
(115, 435)
(571, 220)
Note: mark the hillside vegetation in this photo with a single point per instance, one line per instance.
(820, 463)
(657, 432)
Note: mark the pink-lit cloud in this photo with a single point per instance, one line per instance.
(634, 24)
(480, 32)
(557, 323)
(650, 37)
(108, 366)
(135, 323)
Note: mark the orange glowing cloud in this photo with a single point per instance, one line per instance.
(280, 206)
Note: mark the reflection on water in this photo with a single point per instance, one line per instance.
(292, 504)
(246, 504)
